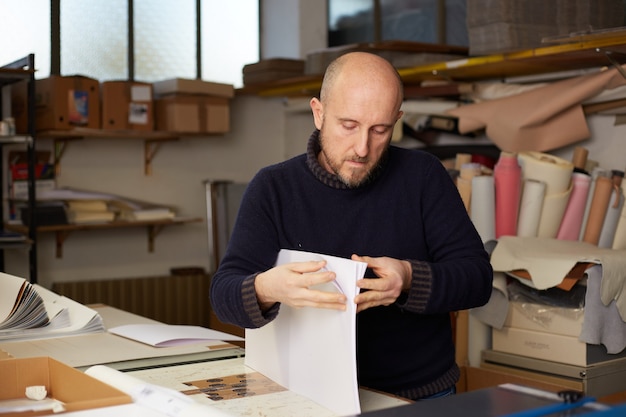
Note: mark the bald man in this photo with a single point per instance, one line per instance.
(354, 195)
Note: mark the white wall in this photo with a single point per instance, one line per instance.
(179, 170)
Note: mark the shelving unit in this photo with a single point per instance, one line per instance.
(566, 53)
(62, 231)
(22, 70)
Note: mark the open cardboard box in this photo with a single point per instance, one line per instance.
(76, 390)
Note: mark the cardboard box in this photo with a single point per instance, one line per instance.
(61, 103)
(490, 376)
(72, 387)
(541, 318)
(19, 189)
(550, 347)
(127, 105)
(192, 114)
(272, 69)
(192, 86)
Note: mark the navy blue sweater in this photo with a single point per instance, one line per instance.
(410, 210)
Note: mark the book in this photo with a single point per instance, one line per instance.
(85, 217)
(30, 311)
(155, 213)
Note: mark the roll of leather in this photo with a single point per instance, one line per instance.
(573, 216)
(552, 213)
(619, 241)
(595, 173)
(531, 204)
(507, 175)
(613, 212)
(483, 207)
(554, 171)
(464, 182)
(597, 210)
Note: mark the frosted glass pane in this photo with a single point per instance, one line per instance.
(230, 39)
(94, 38)
(165, 39)
(25, 29)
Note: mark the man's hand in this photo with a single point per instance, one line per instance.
(394, 276)
(289, 284)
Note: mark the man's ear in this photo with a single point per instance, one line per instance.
(318, 112)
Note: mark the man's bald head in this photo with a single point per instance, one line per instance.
(363, 68)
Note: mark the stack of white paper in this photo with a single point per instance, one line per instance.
(312, 351)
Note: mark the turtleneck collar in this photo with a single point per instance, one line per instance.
(332, 180)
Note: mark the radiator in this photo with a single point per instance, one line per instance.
(175, 299)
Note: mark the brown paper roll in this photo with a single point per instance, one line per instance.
(597, 211)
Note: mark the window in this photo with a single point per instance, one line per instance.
(426, 21)
(94, 38)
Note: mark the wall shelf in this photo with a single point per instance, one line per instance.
(152, 141)
(62, 231)
(580, 51)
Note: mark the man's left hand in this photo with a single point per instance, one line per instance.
(394, 276)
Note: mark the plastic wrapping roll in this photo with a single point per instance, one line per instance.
(597, 210)
(507, 175)
(595, 173)
(531, 204)
(573, 216)
(483, 207)
(554, 206)
(554, 171)
(619, 241)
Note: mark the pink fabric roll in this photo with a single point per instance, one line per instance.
(573, 216)
(507, 175)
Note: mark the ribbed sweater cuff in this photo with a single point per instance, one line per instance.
(421, 285)
(251, 306)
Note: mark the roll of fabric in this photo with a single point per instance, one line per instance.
(554, 206)
(595, 173)
(507, 175)
(556, 173)
(531, 204)
(573, 216)
(619, 241)
(464, 182)
(483, 207)
(597, 211)
(613, 212)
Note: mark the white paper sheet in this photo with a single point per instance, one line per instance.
(168, 335)
(313, 351)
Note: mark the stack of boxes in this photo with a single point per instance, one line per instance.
(549, 333)
(192, 106)
(175, 105)
(81, 104)
(498, 26)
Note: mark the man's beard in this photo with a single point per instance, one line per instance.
(349, 182)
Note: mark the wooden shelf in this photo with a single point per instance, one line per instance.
(152, 141)
(588, 50)
(62, 231)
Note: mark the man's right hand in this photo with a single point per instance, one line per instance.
(290, 284)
